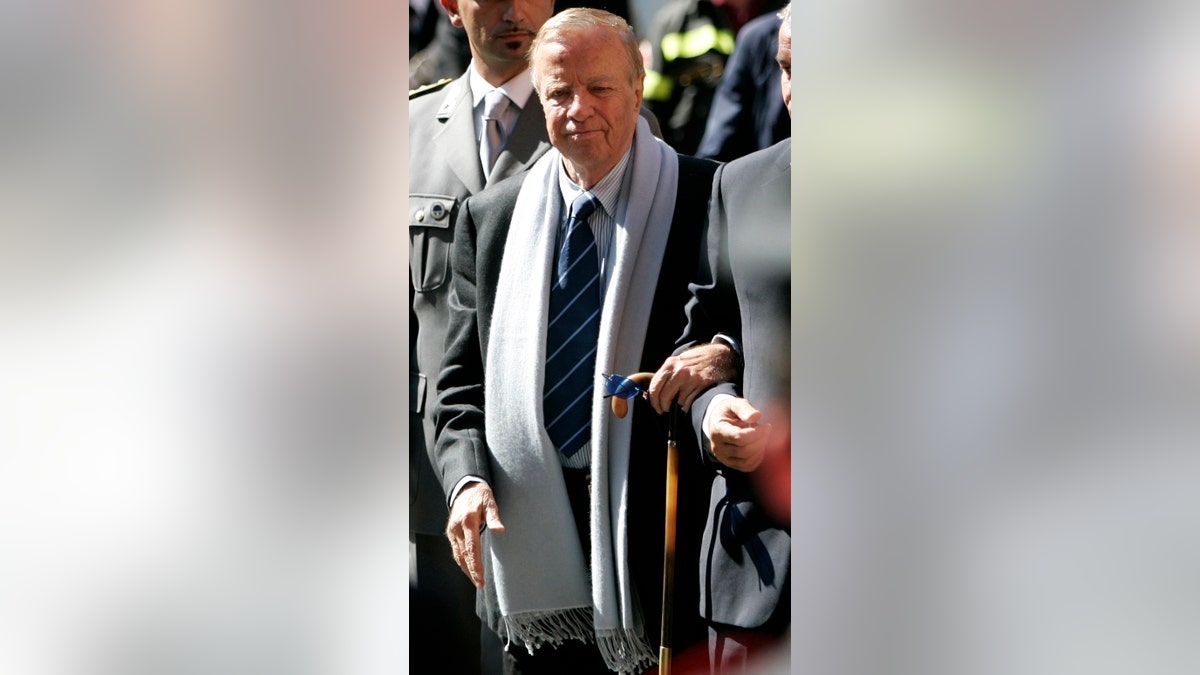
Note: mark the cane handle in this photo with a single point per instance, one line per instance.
(620, 406)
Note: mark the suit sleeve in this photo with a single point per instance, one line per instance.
(461, 449)
(713, 307)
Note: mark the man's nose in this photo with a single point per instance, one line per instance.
(581, 106)
(514, 11)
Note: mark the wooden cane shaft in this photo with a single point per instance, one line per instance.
(669, 555)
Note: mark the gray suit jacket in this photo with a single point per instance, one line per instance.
(444, 170)
(744, 293)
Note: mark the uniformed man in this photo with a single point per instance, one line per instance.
(464, 134)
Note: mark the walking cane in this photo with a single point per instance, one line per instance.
(622, 389)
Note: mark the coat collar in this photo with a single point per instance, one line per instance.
(527, 142)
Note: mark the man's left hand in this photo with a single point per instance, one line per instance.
(738, 437)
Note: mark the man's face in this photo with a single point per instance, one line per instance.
(784, 58)
(591, 101)
(499, 31)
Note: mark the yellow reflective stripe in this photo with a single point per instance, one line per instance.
(656, 87)
(697, 41)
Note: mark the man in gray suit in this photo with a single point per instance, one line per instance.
(448, 147)
(741, 303)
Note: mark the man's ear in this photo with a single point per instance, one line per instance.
(451, 7)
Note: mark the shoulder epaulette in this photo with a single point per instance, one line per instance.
(421, 91)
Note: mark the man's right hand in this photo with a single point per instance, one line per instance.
(683, 377)
(472, 508)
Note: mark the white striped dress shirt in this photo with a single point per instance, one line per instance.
(611, 191)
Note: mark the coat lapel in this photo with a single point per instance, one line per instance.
(525, 145)
(457, 135)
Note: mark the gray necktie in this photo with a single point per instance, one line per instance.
(494, 105)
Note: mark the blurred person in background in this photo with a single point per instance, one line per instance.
(747, 112)
(684, 53)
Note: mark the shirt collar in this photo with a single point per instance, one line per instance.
(518, 89)
(608, 190)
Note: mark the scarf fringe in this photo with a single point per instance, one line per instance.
(535, 629)
(626, 652)
(623, 651)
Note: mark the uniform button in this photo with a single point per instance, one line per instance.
(419, 215)
(437, 211)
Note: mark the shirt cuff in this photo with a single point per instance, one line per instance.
(731, 341)
(461, 484)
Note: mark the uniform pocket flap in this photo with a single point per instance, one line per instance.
(431, 210)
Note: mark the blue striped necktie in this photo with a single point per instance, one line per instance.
(573, 331)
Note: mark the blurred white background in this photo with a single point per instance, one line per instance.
(202, 338)
(996, 342)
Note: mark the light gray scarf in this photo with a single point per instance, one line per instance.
(538, 566)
